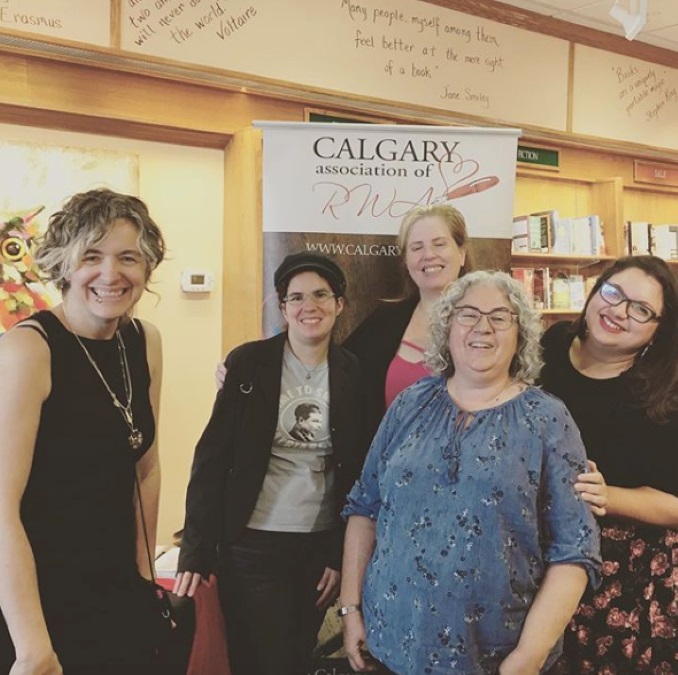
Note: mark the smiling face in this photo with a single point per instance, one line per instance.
(480, 352)
(432, 256)
(311, 323)
(107, 281)
(611, 327)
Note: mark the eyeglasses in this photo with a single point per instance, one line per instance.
(499, 319)
(319, 297)
(637, 310)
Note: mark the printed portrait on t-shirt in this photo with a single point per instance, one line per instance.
(309, 420)
(303, 418)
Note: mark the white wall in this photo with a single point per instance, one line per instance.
(183, 188)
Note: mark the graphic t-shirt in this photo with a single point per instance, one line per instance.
(298, 491)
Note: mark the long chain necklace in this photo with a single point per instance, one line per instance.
(136, 437)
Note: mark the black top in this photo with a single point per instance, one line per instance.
(375, 342)
(629, 449)
(77, 508)
(232, 455)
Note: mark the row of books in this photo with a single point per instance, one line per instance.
(547, 232)
(642, 238)
(554, 289)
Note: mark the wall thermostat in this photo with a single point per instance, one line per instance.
(196, 281)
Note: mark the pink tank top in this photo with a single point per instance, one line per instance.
(401, 373)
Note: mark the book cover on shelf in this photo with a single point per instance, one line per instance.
(581, 236)
(542, 288)
(577, 292)
(525, 275)
(666, 241)
(547, 222)
(520, 235)
(597, 241)
(560, 294)
(639, 239)
(538, 234)
(561, 236)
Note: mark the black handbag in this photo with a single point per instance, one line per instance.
(173, 617)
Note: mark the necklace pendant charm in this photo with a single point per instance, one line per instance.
(136, 439)
(308, 376)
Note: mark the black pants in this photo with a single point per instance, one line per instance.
(267, 587)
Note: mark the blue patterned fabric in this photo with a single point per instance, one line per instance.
(469, 511)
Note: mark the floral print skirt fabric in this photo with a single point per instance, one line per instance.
(630, 624)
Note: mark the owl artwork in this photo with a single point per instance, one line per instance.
(22, 291)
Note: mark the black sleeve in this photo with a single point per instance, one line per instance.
(212, 462)
(660, 457)
(360, 342)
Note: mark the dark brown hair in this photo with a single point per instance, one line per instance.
(653, 377)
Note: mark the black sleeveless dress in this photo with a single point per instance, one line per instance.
(78, 509)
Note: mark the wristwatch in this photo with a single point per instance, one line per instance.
(348, 609)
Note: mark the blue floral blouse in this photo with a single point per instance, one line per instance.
(469, 511)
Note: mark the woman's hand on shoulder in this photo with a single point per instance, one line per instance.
(187, 584)
(37, 665)
(592, 488)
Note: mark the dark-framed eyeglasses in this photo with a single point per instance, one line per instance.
(319, 297)
(636, 310)
(499, 319)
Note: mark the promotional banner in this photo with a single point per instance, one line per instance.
(343, 190)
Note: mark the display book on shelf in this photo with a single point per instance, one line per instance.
(565, 247)
(643, 238)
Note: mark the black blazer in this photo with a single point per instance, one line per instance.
(232, 455)
(375, 342)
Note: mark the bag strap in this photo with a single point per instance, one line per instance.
(143, 525)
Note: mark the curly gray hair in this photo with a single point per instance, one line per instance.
(526, 364)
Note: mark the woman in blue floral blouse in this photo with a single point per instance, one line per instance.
(467, 547)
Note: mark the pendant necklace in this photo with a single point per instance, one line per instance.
(309, 371)
(136, 437)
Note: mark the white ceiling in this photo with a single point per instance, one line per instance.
(660, 30)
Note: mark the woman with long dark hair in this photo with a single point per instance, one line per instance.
(615, 368)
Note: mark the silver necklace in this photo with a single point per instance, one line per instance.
(309, 371)
(136, 437)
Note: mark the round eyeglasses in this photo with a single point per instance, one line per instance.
(499, 319)
(319, 297)
(636, 310)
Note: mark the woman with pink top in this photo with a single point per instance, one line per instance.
(390, 343)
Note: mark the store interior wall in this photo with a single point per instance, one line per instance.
(184, 190)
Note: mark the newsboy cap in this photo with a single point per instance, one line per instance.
(307, 261)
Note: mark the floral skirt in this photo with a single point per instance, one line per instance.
(630, 623)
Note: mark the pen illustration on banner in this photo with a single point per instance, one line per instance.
(478, 185)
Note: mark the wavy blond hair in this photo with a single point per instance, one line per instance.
(84, 220)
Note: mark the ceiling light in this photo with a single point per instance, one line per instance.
(632, 19)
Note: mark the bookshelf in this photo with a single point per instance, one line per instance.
(590, 182)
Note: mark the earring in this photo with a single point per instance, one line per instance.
(647, 347)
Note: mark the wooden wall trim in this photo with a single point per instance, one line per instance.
(108, 126)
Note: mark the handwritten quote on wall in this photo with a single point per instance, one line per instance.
(67, 20)
(638, 99)
(396, 50)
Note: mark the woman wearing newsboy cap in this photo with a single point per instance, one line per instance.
(263, 502)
